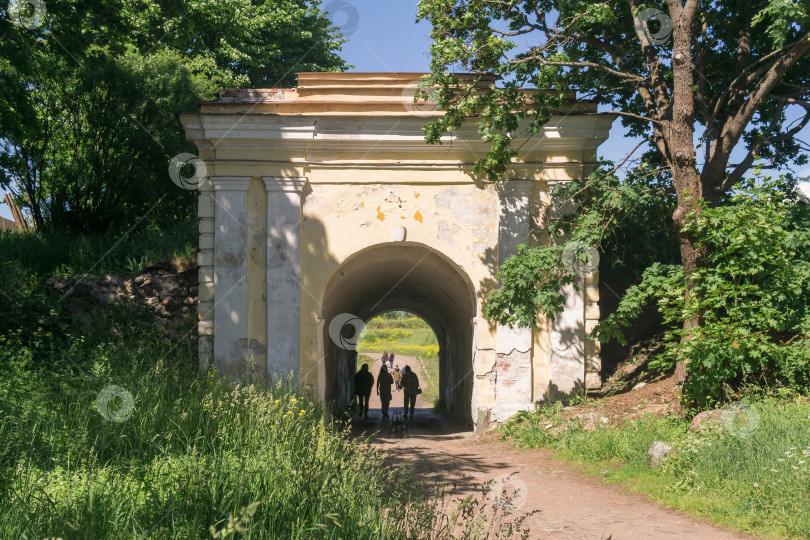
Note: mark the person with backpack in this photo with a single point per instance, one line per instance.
(398, 378)
(410, 386)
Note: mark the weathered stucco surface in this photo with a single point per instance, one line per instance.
(324, 198)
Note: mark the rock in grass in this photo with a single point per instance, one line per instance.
(707, 419)
(658, 453)
(589, 421)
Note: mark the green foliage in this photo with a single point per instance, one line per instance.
(193, 456)
(408, 336)
(88, 114)
(193, 452)
(661, 282)
(751, 297)
(103, 165)
(402, 319)
(263, 42)
(562, 51)
(593, 49)
(627, 220)
(532, 279)
(756, 480)
(24, 305)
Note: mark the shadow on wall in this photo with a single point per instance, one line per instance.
(553, 393)
(489, 283)
(315, 251)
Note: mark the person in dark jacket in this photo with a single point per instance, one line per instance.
(410, 387)
(363, 383)
(384, 382)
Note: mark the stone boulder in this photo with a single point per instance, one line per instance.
(707, 420)
(658, 452)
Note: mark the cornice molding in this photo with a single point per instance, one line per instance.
(225, 130)
(290, 184)
(508, 188)
(231, 183)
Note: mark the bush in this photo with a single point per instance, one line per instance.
(751, 297)
(54, 253)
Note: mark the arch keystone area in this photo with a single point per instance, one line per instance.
(323, 200)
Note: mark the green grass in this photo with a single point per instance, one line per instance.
(194, 451)
(405, 336)
(57, 254)
(759, 484)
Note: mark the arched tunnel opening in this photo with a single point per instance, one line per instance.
(410, 277)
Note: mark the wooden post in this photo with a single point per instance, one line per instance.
(22, 223)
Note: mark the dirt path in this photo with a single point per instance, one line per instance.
(571, 505)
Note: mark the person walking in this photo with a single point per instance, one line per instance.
(391, 360)
(384, 382)
(363, 383)
(410, 385)
(398, 378)
(384, 357)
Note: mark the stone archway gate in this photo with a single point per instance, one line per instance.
(299, 181)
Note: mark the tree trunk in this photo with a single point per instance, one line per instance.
(691, 257)
(682, 152)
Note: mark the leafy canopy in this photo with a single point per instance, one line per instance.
(88, 98)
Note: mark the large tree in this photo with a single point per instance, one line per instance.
(712, 86)
(90, 90)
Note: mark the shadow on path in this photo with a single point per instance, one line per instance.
(422, 444)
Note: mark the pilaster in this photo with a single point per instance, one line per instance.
(284, 275)
(230, 290)
(513, 378)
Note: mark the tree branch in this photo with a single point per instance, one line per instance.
(757, 146)
(734, 126)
